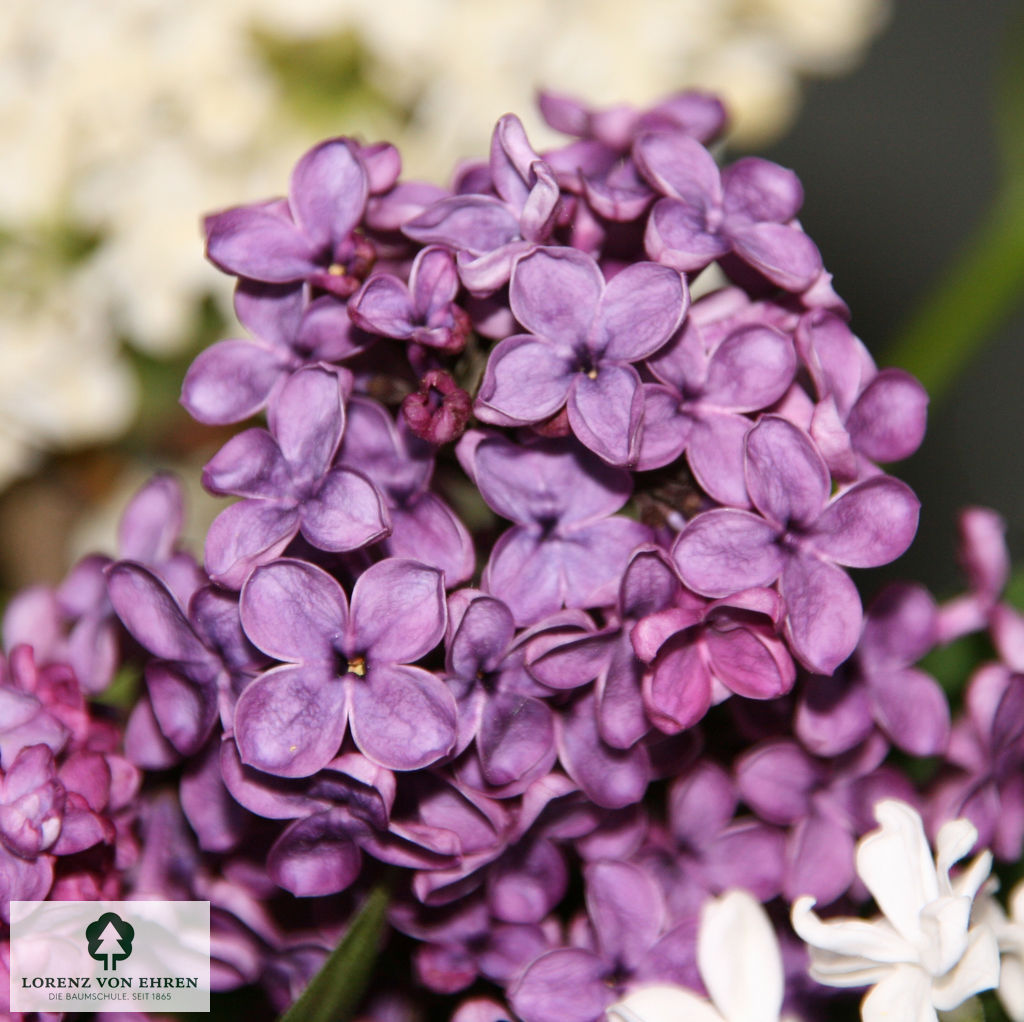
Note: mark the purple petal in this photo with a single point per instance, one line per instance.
(680, 166)
(523, 573)
(701, 802)
(555, 293)
(290, 721)
(888, 421)
(528, 883)
(594, 556)
(567, 985)
(151, 523)
(787, 479)
(431, 532)
(747, 854)
(186, 711)
(293, 610)
(433, 281)
(516, 733)
(398, 611)
(785, 255)
(472, 223)
(677, 690)
(824, 614)
(752, 662)
(622, 721)
(344, 513)
(625, 908)
(606, 412)
(912, 710)
(750, 369)
(777, 779)
(308, 418)
(820, 854)
(230, 381)
(383, 306)
(403, 718)
(665, 430)
(527, 379)
(677, 235)
(328, 191)
(245, 535)
(259, 242)
(152, 615)
(833, 715)
(314, 857)
(722, 552)
(757, 189)
(250, 464)
(870, 524)
(641, 308)
(715, 452)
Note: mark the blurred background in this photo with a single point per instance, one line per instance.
(120, 126)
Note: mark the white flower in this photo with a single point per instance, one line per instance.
(923, 955)
(739, 961)
(1009, 932)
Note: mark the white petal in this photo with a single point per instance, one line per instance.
(1011, 988)
(977, 970)
(896, 865)
(903, 996)
(956, 838)
(1016, 904)
(944, 924)
(663, 1003)
(739, 960)
(853, 947)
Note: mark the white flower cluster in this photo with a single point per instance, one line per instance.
(938, 943)
(125, 121)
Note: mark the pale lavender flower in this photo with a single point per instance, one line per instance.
(346, 667)
(800, 538)
(289, 484)
(584, 337)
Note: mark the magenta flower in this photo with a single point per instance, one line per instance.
(584, 337)
(799, 538)
(346, 667)
(746, 209)
(289, 486)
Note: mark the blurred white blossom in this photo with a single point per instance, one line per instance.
(1009, 930)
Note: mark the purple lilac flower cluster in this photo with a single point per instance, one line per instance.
(537, 573)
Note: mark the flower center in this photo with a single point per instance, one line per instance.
(336, 270)
(356, 665)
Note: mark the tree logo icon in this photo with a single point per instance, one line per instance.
(110, 940)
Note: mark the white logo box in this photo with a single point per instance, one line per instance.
(110, 956)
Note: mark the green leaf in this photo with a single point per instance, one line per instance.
(335, 991)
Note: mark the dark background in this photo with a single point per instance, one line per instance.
(898, 164)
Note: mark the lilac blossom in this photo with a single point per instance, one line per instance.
(800, 538)
(289, 484)
(439, 410)
(698, 405)
(423, 526)
(489, 231)
(881, 686)
(311, 236)
(746, 209)
(567, 547)
(346, 667)
(584, 337)
(825, 804)
(234, 379)
(422, 311)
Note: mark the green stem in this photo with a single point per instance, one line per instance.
(976, 293)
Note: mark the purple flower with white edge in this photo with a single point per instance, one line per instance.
(567, 547)
(881, 684)
(487, 232)
(345, 667)
(800, 538)
(698, 653)
(423, 312)
(585, 335)
(630, 943)
(698, 405)
(311, 236)
(289, 485)
(863, 415)
(423, 526)
(234, 379)
(747, 209)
